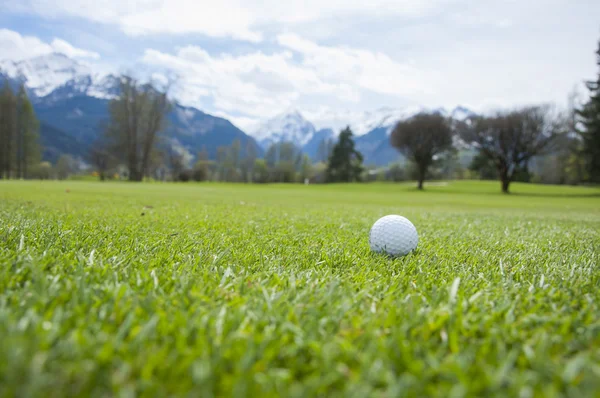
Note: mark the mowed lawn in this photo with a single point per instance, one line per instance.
(162, 289)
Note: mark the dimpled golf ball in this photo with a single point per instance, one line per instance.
(393, 235)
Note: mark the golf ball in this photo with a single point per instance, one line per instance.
(394, 235)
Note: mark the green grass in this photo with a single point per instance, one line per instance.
(217, 289)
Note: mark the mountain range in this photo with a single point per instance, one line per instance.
(71, 102)
(371, 131)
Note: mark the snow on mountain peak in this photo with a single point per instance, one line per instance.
(461, 113)
(362, 123)
(58, 76)
(44, 73)
(287, 126)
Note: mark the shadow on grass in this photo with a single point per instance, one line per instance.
(553, 195)
(515, 194)
(594, 193)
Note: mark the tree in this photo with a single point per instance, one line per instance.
(572, 147)
(484, 166)
(249, 161)
(220, 163)
(27, 137)
(176, 163)
(283, 159)
(101, 158)
(345, 162)
(305, 168)
(420, 138)
(231, 165)
(137, 116)
(261, 171)
(64, 167)
(511, 139)
(41, 171)
(321, 151)
(8, 128)
(589, 116)
(19, 138)
(201, 168)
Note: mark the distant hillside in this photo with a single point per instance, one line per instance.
(56, 142)
(72, 106)
(71, 101)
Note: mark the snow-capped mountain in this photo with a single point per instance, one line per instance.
(362, 123)
(45, 73)
(461, 113)
(289, 126)
(314, 147)
(371, 129)
(72, 103)
(383, 118)
(56, 76)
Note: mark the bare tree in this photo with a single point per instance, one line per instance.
(249, 160)
(65, 166)
(101, 158)
(176, 163)
(137, 117)
(511, 139)
(420, 138)
(201, 168)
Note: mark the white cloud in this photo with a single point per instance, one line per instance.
(324, 56)
(255, 84)
(365, 69)
(16, 47)
(61, 46)
(258, 85)
(240, 19)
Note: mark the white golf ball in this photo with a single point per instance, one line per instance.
(394, 235)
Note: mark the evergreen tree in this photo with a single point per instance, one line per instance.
(345, 162)
(8, 128)
(590, 121)
(28, 149)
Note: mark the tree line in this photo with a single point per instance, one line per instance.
(563, 146)
(507, 141)
(20, 149)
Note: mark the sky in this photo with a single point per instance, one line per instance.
(249, 60)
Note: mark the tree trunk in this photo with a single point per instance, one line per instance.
(135, 175)
(505, 177)
(505, 184)
(422, 172)
(19, 152)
